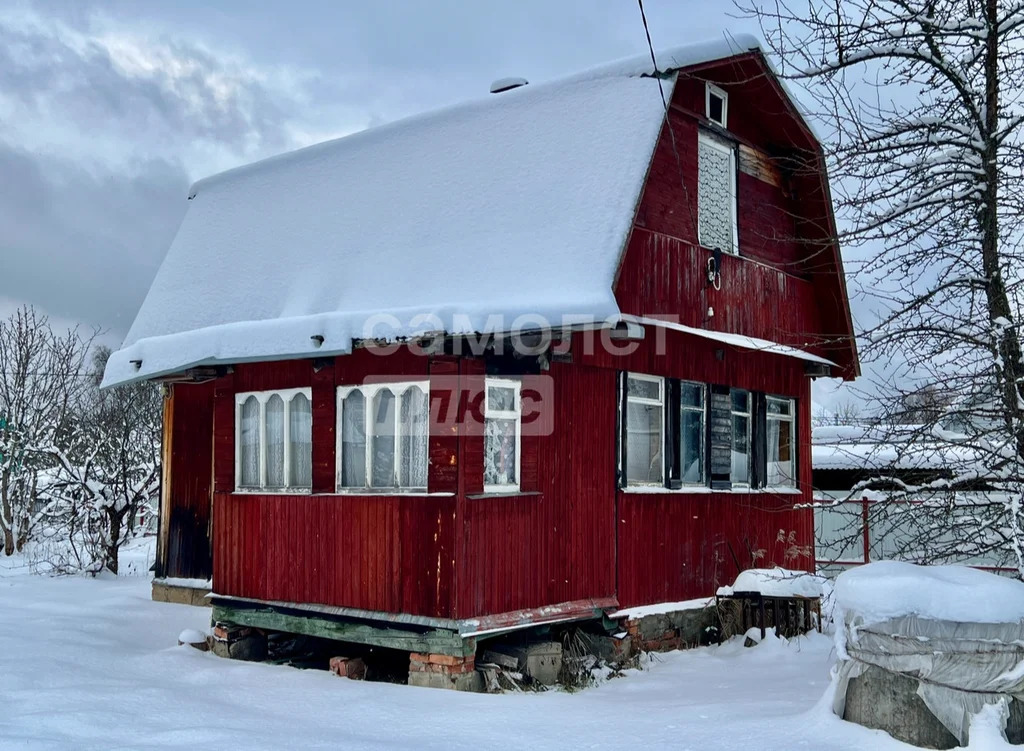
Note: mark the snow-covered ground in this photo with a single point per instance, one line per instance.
(94, 664)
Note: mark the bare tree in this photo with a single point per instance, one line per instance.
(41, 381)
(922, 104)
(106, 471)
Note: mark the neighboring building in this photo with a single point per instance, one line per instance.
(872, 482)
(625, 459)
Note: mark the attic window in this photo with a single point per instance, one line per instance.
(716, 104)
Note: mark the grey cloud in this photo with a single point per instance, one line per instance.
(80, 245)
(82, 83)
(82, 234)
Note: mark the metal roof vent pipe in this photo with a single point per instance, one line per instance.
(505, 84)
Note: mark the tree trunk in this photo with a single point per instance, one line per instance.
(110, 550)
(1006, 345)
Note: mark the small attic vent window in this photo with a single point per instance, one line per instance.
(716, 103)
(504, 84)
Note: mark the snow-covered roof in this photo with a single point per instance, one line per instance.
(461, 220)
(870, 448)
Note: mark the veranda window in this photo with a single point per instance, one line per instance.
(741, 412)
(692, 433)
(273, 440)
(645, 422)
(383, 431)
(502, 435)
(780, 453)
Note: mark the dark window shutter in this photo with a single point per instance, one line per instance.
(673, 469)
(620, 434)
(758, 440)
(720, 437)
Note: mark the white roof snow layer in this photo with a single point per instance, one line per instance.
(517, 204)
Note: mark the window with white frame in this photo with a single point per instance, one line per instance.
(692, 432)
(645, 424)
(274, 440)
(716, 193)
(502, 434)
(383, 436)
(780, 453)
(716, 104)
(741, 424)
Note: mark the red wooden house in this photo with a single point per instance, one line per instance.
(520, 360)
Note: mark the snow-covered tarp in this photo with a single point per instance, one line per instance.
(483, 217)
(956, 630)
(776, 582)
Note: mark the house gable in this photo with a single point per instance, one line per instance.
(786, 284)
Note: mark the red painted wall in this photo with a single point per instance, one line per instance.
(677, 546)
(187, 537)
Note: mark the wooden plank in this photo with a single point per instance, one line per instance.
(166, 444)
(759, 164)
(433, 641)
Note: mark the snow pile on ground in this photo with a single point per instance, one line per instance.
(889, 589)
(777, 582)
(94, 664)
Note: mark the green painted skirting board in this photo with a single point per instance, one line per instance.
(436, 641)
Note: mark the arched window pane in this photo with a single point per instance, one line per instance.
(383, 428)
(300, 442)
(275, 442)
(249, 444)
(353, 441)
(412, 471)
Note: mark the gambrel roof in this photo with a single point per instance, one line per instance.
(462, 220)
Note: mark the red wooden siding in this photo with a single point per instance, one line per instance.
(679, 546)
(390, 554)
(443, 468)
(787, 226)
(666, 276)
(187, 536)
(557, 545)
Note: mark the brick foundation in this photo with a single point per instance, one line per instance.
(352, 668)
(444, 671)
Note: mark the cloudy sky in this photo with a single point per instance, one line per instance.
(109, 109)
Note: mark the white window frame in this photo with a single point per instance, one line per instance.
(504, 414)
(659, 402)
(262, 397)
(749, 414)
(703, 412)
(791, 419)
(369, 392)
(725, 148)
(709, 90)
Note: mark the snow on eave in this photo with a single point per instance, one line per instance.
(736, 340)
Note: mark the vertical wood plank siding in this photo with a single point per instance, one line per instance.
(556, 545)
(187, 537)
